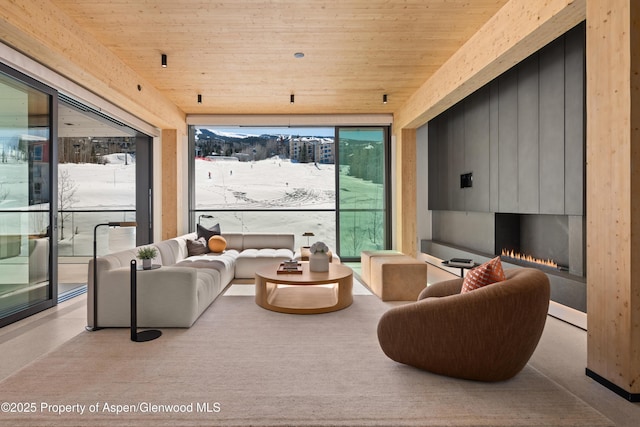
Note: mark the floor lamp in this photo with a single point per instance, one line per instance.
(204, 216)
(95, 327)
(308, 234)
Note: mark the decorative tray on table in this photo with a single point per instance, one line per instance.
(459, 263)
(290, 267)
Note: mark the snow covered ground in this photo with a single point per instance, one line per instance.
(270, 183)
(267, 184)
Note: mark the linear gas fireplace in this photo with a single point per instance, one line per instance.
(553, 242)
(549, 263)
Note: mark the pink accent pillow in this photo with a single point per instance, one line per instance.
(483, 275)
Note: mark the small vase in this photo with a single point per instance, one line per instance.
(319, 262)
(146, 264)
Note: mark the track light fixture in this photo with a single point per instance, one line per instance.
(164, 60)
(292, 98)
(384, 98)
(199, 98)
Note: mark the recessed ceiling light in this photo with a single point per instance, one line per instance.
(298, 55)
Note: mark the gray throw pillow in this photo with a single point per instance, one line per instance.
(197, 247)
(208, 232)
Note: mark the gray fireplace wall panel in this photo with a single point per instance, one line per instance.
(551, 125)
(508, 141)
(477, 154)
(524, 141)
(528, 137)
(472, 230)
(433, 160)
(577, 252)
(439, 165)
(494, 149)
(574, 122)
(456, 158)
(569, 292)
(533, 118)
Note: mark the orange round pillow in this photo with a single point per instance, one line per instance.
(217, 244)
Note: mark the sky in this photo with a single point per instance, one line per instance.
(302, 131)
(362, 134)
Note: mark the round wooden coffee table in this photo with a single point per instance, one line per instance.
(306, 293)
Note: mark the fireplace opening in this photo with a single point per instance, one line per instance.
(531, 259)
(552, 241)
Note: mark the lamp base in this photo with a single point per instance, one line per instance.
(148, 335)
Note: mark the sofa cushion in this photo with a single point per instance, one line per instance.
(122, 258)
(266, 241)
(234, 240)
(174, 250)
(197, 247)
(223, 263)
(250, 260)
(175, 297)
(483, 275)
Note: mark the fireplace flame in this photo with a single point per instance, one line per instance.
(528, 258)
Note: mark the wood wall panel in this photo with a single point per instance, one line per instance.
(406, 230)
(169, 183)
(613, 192)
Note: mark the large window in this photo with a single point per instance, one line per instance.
(104, 175)
(362, 195)
(286, 180)
(27, 278)
(64, 167)
(269, 180)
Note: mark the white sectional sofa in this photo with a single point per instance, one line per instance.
(176, 294)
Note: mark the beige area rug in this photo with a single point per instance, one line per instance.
(241, 365)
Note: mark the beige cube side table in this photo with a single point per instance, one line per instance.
(397, 278)
(365, 262)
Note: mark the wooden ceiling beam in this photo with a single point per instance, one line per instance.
(48, 35)
(217, 46)
(514, 33)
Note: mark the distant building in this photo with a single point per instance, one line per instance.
(324, 152)
(243, 157)
(222, 158)
(311, 149)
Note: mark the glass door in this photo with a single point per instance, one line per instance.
(362, 183)
(27, 273)
(104, 175)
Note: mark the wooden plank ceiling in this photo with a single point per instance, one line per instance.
(239, 54)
